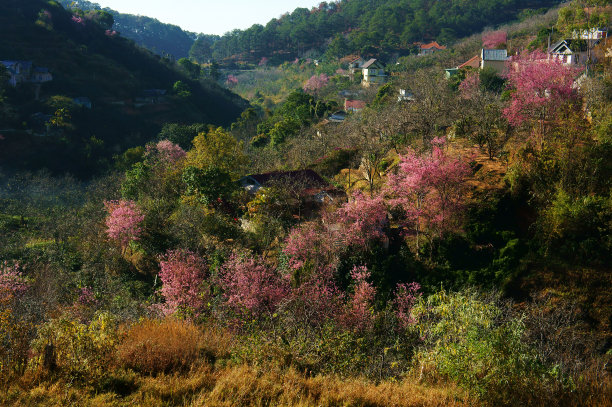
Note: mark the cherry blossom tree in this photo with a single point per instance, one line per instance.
(183, 275)
(12, 281)
(361, 220)
(431, 191)
(165, 151)
(316, 83)
(123, 221)
(359, 314)
(250, 284)
(494, 38)
(470, 86)
(542, 86)
(232, 80)
(406, 295)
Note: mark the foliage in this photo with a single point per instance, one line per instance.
(217, 148)
(77, 351)
(473, 341)
(494, 39)
(316, 83)
(209, 186)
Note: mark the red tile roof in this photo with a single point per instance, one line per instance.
(473, 62)
(432, 45)
(354, 104)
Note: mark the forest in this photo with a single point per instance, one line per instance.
(364, 27)
(446, 241)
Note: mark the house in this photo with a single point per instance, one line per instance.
(431, 48)
(307, 184)
(24, 71)
(493, 58)
(405, 96)
(337, 117)
(473, 62)
(592, 34)
(373, 73)
(356, 65)
(570, 51)
(354, 106)
(41, 75)
(151, 97)
(19, 71)
(82, 101)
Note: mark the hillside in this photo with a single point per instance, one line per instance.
(366, 27)
(161, 38)
(88, 61)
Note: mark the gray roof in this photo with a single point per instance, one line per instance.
(494, 55)
(571, 45)
(370, 63)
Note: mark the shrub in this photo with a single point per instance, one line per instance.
(475, 342)
(81, 352)
(155, 347)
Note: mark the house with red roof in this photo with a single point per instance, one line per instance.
(432, 47)
(354, 106)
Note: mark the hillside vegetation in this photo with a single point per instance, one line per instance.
(446, 242)
(163, 39)
(88, 60)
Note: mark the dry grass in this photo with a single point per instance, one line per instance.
(155, 347)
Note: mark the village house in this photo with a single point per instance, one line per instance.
(473, 62)
(24, 71)
(336, 117)
(354, 106)
(82, 101)
(431, 48)
(373, 73)
(493, 58)
(593, 34)
(308, 185)
(405, 96)
(356, 65)
(571, 51)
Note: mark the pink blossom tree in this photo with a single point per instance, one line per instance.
(165, 151)
(470, 86)
(251, 285)
(231, 80)
(183, 274)
(494, 38)
(431, 191)
(406, 295)
(542, 86)
(316, 83)
(12, 281)
(359, 314)
(361, 220)
(123, 222)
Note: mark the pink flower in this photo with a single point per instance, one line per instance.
(316, 83)
(406, 295)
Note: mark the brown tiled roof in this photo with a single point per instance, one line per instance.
(432, 45)
(473, 62)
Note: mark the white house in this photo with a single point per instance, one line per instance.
(570, 51)
(373, 73)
